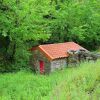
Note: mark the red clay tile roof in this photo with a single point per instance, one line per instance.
(59, 50)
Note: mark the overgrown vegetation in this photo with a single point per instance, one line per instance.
(78, 83)
(24, 24)
(27, 23)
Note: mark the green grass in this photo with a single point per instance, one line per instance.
(80, 83)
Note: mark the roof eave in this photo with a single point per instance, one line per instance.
(45, 53)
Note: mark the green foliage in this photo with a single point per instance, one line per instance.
(21, 21)
(81, 83)
(24, 24)
(77, 21)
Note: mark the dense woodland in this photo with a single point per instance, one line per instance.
(27, 23)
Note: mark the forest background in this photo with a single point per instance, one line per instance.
(28, 23)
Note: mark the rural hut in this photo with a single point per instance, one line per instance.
(46, 58)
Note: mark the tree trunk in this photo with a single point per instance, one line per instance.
(13, 53)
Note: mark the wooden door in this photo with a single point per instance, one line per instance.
(41, 67)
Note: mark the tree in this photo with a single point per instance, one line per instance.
(24, 24)
(20, 23)
(77, 21)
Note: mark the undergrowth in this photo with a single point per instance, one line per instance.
(77, 83)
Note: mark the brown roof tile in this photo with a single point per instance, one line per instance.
(59, 50)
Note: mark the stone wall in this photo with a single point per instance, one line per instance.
(98, 55)
(58, 64)
(49, 65)
(38, 56)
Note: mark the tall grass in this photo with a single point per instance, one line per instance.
(82, 84)
(79, 83)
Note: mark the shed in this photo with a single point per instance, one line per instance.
(46, 58)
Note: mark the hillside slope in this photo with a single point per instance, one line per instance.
(80, 83)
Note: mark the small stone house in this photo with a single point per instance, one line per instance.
(46, 58)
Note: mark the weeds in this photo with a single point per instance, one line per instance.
(81, 83)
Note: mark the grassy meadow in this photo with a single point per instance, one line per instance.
(78, 83)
